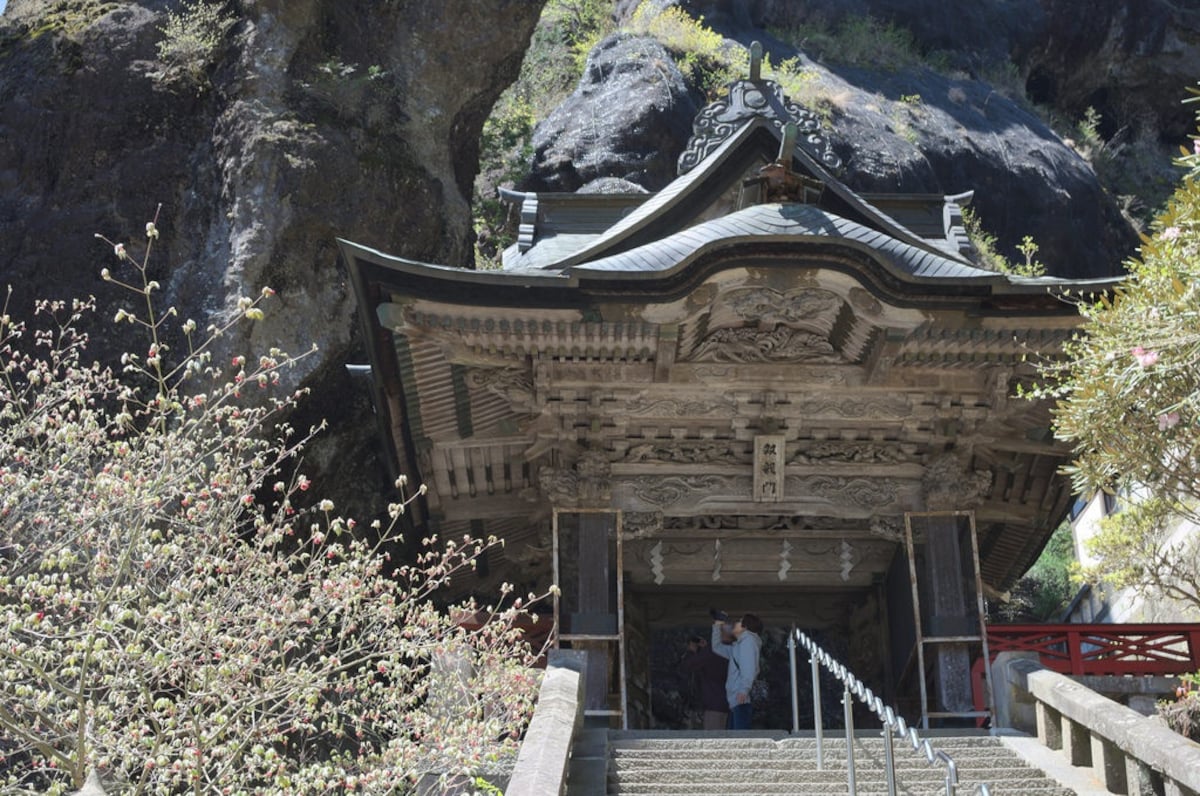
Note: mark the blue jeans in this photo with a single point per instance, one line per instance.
(739, 716)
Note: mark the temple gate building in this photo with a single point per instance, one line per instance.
(739, 392)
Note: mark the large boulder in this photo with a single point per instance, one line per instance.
(903, 128)
(629, 118)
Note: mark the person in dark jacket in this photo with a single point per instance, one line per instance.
(708, 670)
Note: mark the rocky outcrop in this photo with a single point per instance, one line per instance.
(1129, 59)
(314, 119)
(902, 128)
(629, 118)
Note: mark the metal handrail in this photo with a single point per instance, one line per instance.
(892, 723)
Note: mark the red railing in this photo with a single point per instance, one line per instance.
(1104, 649)
(1136, 649)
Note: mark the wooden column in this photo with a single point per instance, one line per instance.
(948, 612)
(595, 615)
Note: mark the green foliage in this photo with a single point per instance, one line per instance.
(1129, 390)
(988, 255)
(700, 52)
(857, 41)
(505, 147)
(566, 32)
(177, 614)
(1031, 266)
(579, 24)
(1047, 588)
(71, 17)
(192, 37)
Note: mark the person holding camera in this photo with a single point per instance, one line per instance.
(708, 670)
(743, 655)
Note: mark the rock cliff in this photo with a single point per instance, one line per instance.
(309, 120)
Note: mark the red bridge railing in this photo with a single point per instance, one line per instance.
(1104, 649)
(1135, 649)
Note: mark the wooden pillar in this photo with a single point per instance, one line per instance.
(948, 614)
(595, 614)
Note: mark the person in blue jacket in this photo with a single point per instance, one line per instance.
(743, 666)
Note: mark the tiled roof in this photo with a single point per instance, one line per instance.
(794, 222)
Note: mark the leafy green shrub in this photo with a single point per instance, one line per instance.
(1128, 390)
(176, 614)
(988, 256)
(701, 54)
(1046, 589)
(566, 32)
(192, 37)
(855, 41)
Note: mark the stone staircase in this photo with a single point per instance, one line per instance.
(765, 764)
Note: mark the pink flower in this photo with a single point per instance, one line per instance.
(1196, 145)
(1170, 233)
(1144, 358)
(1168, 420)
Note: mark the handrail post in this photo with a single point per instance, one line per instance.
(848, 711)
(795, 684)
(889, 759)
(816, 690)
(951, 776)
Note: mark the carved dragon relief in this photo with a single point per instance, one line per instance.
(514, 385)
(686, 452)
(768, 307)
(641, 524)
(752, 325)
(948, 485)
(749, 344)
(866, 493)
(689, 492)
(853, 453)
(588, 483)
(876, 406)
(791, 523)
(644, 406)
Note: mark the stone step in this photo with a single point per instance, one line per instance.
(629, 741)
(650, 763)
(769, 767)
(868, 752)
(861, 789)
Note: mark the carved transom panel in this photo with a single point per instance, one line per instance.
(749, 325)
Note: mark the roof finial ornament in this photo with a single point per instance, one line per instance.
(787, 145)
(781, 184)
(756, 56)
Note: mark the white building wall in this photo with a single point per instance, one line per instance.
(1103, 604)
